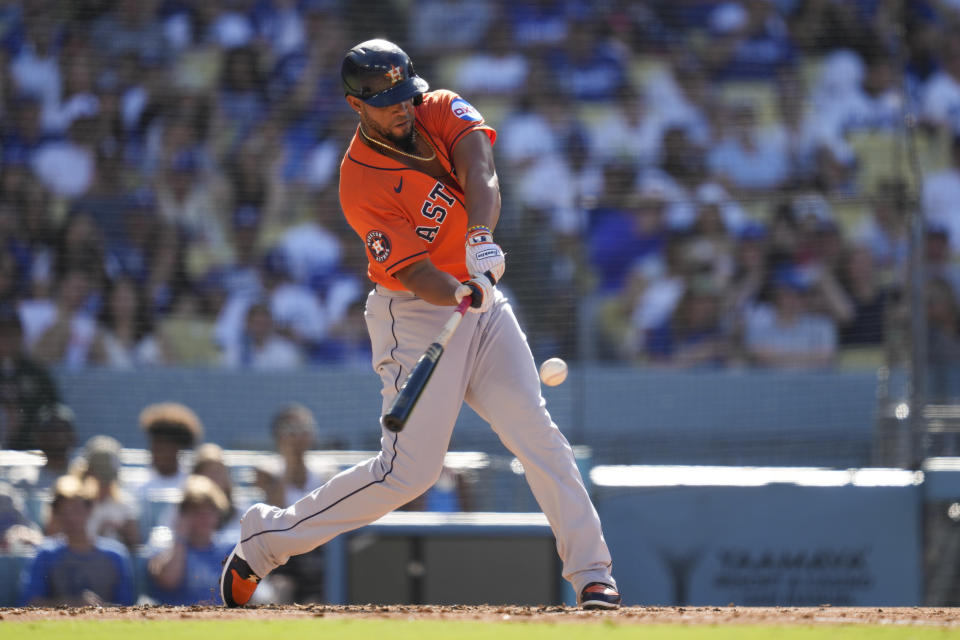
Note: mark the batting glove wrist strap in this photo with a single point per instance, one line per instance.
(480, 289)
(484, 256)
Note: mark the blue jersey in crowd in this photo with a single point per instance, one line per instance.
(60, 573)
(200, 584)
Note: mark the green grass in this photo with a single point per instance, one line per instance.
(321, 629)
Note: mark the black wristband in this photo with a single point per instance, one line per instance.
(476, 298)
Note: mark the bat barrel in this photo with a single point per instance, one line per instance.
(402, 406)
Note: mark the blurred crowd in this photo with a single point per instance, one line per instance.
(686, 183)
(101, 526)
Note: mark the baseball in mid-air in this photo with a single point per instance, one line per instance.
(553, 371)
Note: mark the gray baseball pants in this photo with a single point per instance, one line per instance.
(488, 363)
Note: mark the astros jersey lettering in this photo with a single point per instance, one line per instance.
(404, 215)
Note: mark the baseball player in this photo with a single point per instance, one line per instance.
(419, 186)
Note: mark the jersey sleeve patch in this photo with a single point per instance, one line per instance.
(464, 110)
(379, 245)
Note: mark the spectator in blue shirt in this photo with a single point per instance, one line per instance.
(587, 67)
(187, 570)
(73, 568)
(751, 41)
(624, 238)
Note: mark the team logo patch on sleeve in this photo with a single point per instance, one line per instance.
(379, 245)
(464, 110)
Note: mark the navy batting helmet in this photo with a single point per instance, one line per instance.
(380, 73)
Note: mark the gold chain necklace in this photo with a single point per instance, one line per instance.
(433, 152)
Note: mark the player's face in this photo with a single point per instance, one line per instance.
(393, 123)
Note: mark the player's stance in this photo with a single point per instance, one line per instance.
(418, 184)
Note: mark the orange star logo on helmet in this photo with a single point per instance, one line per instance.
(395, 74)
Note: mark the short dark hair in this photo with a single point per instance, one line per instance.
(293, 414)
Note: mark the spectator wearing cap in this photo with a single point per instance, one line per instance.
(786, 334)
(750, 40)
(25, 386)
(874, 102)
(186, 569)
(941, 197)
(114, 514)
(171, 427)
(593, 67)
(73, 568)
(693, 336)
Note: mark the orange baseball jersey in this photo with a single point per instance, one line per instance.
(404, 215)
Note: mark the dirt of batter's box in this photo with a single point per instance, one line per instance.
(922, 616)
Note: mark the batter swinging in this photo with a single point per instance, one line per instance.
(417, 179)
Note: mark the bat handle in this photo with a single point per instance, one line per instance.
(464, 303)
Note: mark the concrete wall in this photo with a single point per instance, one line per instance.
(626, 415)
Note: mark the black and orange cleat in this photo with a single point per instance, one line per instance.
(238, 581)
(598, 595)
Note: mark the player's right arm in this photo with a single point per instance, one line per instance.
(427, 282)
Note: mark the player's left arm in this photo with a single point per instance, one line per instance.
(473, 157)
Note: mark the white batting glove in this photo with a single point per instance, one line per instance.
(484, 256)
(481, 291)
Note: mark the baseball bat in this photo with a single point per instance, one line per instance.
(402, 406)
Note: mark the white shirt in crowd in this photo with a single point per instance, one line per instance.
(940, 100)
(36, 316)
(275, 354)
(490, 74)
(941, 203)
(65, 168)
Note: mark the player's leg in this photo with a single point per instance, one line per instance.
(409, 462)
(504, 389)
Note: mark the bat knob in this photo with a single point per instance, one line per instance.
(392, 423)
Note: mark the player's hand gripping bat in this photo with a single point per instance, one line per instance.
(402, 406)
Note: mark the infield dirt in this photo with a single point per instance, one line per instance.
(922, 616)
